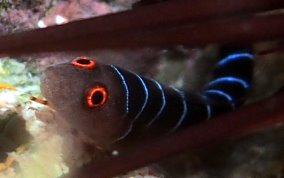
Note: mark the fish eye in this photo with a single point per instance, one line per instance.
(84, 62)
(97, 96)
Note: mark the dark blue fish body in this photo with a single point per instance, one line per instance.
(116, 105)
(155, 108)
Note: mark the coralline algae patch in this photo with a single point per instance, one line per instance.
(43, 159)
(41, 155)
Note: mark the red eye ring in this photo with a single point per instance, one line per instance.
(84, 62)
(97, 96)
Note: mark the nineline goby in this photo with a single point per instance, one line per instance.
(111, 105)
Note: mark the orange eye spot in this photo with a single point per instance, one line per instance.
(84, 62)
(97, 96)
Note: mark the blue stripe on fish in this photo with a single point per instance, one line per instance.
(184, 110)
(125, 87)
(229, 79)
(234, 57)
(163, 98)
(146, 97)
(223, 94)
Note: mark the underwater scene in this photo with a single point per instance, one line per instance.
(117, 99)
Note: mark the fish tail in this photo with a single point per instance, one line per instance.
(232, 79)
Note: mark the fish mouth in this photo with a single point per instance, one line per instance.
(45, 85)
(49, 84)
